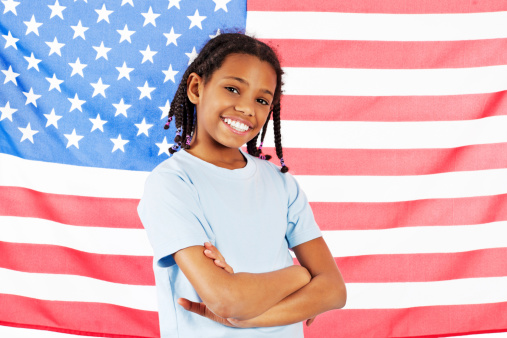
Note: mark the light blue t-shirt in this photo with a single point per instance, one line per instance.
(253, 215)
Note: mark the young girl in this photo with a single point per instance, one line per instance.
(212, 200)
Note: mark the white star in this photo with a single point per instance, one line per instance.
(56, 9)
(31, 97)
(124, 71)
(99, 88)
(163, 147)
(195, 20)
(32, 26)
(77, 68)
(217, 34)
(123, 2)
(118, 143)
(191, 56)
(149, 17)
(73, 139)
(7, 112)
(148, 54)
(146, 91)
(79, 30)
(10, 6)
(52, 119)
(103, 14)
(55, 47)
(101, 51)
(143, 127)
(98, 123)
(32, 62)
(165, 110)
(169, 74)
(27, 133)
(54, 83)
(10, 40)
(175, 3)
(171, 37)
(125, 34)
(121, 108)
(76, 103)
(10, 76)
(221, 4)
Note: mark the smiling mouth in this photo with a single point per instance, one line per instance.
(236, 127)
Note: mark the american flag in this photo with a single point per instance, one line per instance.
(394, 123)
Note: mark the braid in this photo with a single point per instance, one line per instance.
(278, 137)
(263, 134)
(209, 59)
(251, 146)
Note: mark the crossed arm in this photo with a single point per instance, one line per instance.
(281, 297)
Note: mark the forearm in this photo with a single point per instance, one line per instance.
(316, 297)
(254, 293)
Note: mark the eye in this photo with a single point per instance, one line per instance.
(263, 102)
(232, 90)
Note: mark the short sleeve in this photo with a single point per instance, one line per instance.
(301, 225)
(172, 216)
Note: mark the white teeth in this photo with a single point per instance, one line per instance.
(236, 124)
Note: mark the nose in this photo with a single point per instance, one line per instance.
(245, 105)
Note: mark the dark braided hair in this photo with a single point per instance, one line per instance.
(210, 59)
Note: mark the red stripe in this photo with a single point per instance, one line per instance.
(428, 321)
(387, 6)
(392, 162)
(393, 108)
(390, 54)
(93, 319)
(40, 258)
(75, 210)
(451, 211)
(423, 267)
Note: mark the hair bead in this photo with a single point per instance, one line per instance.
(168, 122)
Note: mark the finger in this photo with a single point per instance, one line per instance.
(185, 303)
(229, 269)
(210, 254)
(194, 307)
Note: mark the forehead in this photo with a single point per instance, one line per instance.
(249, 68)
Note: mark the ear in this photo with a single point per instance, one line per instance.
(194, 82)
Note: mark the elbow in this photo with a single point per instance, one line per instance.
(223, 304)
(339, 295)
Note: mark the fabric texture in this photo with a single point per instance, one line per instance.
(253, 215)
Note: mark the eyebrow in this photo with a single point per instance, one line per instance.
(246, 82)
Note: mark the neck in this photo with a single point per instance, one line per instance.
(217, 154)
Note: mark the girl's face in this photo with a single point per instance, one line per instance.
(234, 103)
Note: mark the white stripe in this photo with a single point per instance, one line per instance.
(112, 241)
(15, 332)
(77, 289)
(390, 135)
(417, 240)
(376, 27)
(69, 179)
(342, 243)
(394, 82)
(317, 188)
(405, 295)
(403, 188)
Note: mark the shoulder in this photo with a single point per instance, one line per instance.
(271, 170)
(169, 175)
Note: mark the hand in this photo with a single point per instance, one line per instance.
(212, 252)
(202, 310)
